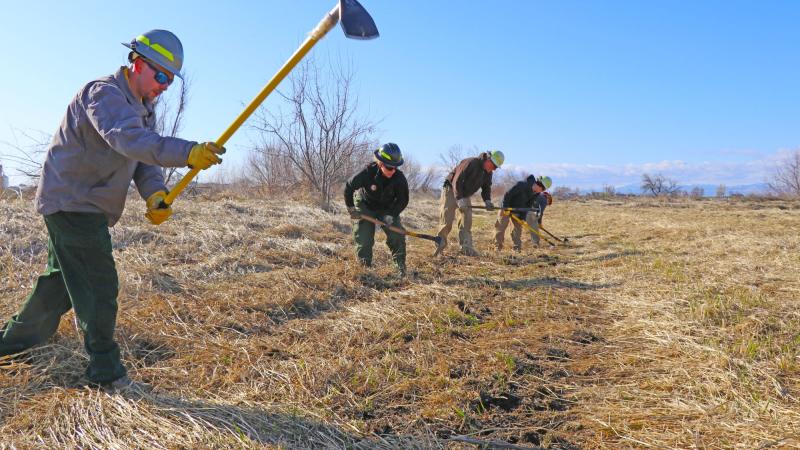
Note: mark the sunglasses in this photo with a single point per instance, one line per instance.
(160, 76)
(389, 168)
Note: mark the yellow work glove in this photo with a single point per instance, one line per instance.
(204, 155)
(155, 214)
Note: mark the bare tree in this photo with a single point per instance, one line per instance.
(721, 189)
(659, 185)
(420, 178)
(455, 154)
(566, 192)
(270, 169)
(507, 179)
(609, 190)
(320, 134)
(28, 156)
(786, 176)
(169, 121)
(697, 192)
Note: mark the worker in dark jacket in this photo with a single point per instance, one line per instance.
(460, 184)
(381, 191)
(106, 140)
(521, 195)
(541, 199)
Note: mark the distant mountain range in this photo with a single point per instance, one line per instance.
(709, 190)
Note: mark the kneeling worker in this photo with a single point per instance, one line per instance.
(383, 194)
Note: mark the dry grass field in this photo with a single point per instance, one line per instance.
(663, 325)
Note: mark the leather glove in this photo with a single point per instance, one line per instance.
(155, 214)
(489, 205)
(387, 219)
(354, 214)
(463, 203)
(204, 155)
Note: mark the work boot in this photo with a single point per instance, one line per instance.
(440, 248)
(124, 385)
(470, 251)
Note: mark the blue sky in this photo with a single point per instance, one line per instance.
(591, 93)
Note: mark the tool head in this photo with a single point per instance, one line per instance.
(356, 21)
(439, 245)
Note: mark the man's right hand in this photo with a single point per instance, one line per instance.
(354, 214)
(463, 203)
(204, 155)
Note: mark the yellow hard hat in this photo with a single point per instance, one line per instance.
(545, 181)
(497, 157)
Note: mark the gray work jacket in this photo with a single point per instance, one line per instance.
(105, 140)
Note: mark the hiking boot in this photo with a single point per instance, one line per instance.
(124, 385)
(469, 251)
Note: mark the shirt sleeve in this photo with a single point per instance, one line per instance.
(123, 129)
(486, 189)
(148, 180)
(355, 183)
(401, 200)
(542, 201)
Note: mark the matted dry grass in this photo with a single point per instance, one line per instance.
(665, 325)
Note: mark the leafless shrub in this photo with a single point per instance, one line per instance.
(721, 189)
(455, 154)
(697, 192)
(27, 155)
(420, 178)
(320, 134)
(566, 192)
(170, 109)
(503, 180)
(271, 170)
(659, 185)
(609, 190)
(786, 176)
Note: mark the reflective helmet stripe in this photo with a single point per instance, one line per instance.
(386, 155)
(158, 48)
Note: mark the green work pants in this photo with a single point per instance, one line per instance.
(80, 274)
(364, 238)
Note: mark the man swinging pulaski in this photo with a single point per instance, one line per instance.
(106, 140)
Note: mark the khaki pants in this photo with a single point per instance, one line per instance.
(447, 214)
(500, 230)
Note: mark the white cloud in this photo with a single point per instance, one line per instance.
(587, 176)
